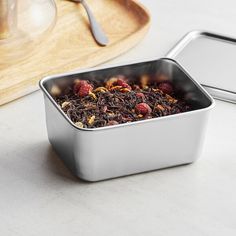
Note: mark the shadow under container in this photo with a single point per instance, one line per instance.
(125, 149)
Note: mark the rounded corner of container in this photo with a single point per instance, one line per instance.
(41, 84)
(88, 179)
(42, 81)
(194, 34)
(213, 102)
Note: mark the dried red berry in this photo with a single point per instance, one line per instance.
(122, 83)
(166, 87)
(82, 88)
(140, 95)
(143, 109)
(78, 84)
(85, 90)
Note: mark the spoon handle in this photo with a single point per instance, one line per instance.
(97, 31)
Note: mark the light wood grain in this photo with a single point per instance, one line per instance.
(71, 46)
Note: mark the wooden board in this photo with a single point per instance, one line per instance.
(71, 46)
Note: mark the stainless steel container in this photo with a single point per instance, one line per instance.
(113, 151)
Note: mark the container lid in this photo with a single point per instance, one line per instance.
(211, 60)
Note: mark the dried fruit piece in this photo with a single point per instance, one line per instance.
(160, 107)
(115, 88)
(85, 90)
(143, 109)
(82, 88)
(157, 90)
(118, 82)
(140, 95)
(65, 104)
(121, 82)
(111, 115)
(93, 95)
(171, 99)
(91, 120)
(55, 91)
(166, 87)
(102, 107)
(77, 84)
(100, 89)
(110, 82)
(125, 90)
(79, 124)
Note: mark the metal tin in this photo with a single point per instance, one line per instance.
(113, 151)
(210, 59)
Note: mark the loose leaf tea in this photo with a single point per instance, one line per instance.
(117, 100)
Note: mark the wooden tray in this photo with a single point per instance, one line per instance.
(71, 46)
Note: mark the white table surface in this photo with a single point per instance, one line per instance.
(38, 195)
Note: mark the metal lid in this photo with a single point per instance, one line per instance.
(211, 60)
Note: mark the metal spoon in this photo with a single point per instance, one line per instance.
(96, 29)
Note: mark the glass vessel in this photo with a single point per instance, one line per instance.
(23, 25)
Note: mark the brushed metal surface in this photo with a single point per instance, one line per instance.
(210, 59)
(108, 152)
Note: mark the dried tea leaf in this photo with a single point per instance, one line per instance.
(124, 101)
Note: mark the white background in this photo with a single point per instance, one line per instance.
(38, 196)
